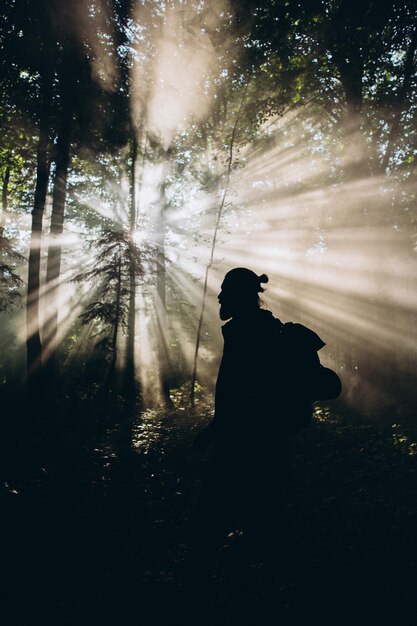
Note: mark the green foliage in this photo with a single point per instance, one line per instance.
(203, 399)
(109, 280)
(11, 283)
(330, 63)
(402, 441)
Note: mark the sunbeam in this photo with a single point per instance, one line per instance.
(215, 158)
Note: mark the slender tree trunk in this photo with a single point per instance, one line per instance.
(115, 336)
(161, 307)
(5, 196)
(130, 386)
(33, 340)
(53, 268)
(213, 247)
(204, 136)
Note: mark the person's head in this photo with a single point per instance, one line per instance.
(239, 292)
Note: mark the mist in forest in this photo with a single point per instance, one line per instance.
(184, 136)
(148, 147)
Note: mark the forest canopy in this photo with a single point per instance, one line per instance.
(147, 147)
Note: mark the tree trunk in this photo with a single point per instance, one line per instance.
(53, 268)
(112, 366)
(33, 340)
(351, 76)
(213, 247)
(161, 299)
(4, 196)
(130, 382)
(161, 309)
(343, 39)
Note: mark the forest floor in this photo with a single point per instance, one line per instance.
(93, 536)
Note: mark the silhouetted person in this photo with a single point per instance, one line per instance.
(269, 376)
(248, 473)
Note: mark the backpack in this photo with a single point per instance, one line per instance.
(305, 379)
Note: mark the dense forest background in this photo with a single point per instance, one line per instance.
(144, 143)
(146, 148)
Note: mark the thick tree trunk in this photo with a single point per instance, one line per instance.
(351, 76)
(33, 340)
(53, 268)
(348, 47)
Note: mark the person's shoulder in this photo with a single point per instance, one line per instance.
(268, 319)
(302, 335)
(268, 327)
(261, 321)
(228, 328)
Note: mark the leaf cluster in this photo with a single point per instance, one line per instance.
(10, 282)
(109, 279)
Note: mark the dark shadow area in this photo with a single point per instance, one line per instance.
(92, 536)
